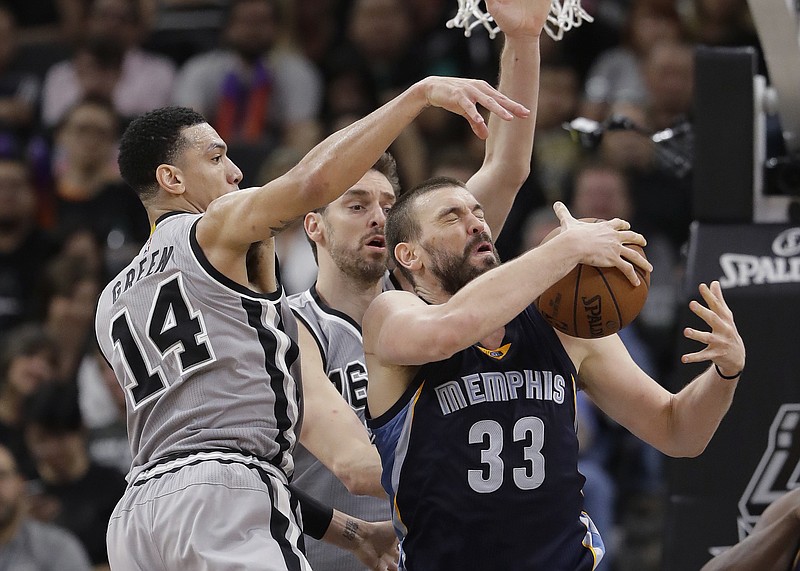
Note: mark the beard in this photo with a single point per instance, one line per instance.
(455, 271)
(362, 269)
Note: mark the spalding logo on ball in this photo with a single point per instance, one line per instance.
(591, 302)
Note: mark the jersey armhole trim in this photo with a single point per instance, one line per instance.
(313, 333)
(408, 395)
(220, 277)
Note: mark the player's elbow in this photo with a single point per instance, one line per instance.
(311, 184)
(360, 479)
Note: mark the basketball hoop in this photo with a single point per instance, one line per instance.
(563, 17)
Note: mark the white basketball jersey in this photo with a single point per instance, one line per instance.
(339, 340)
(206, 364)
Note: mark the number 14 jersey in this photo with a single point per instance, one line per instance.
(480, 459)
(206, 364)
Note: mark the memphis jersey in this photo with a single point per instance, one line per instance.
(339, 340)
(480, 459)
(206, 364)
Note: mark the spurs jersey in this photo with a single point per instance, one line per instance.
(208, 366)
(480, 459)
(339, 340)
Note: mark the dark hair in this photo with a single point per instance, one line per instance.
(91, 100)
(402, 224)
(24, 341)
(387, 166)
(276, 5)
(54, 407)
(152, 139)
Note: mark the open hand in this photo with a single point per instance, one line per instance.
(724, 345)
(461, 96)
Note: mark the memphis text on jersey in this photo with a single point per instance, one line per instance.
(148, 265)
(499, 386)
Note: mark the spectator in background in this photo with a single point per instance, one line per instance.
(71, 491)
(24, 248)
(142, 80)
(19, 88)
(88, 192)
(28, 359)
(70, 295)
(316, 27)
(722, 23)
(297, 264)
(616, 75)
(26, 543)
(380, 37)
(256, 95)
(102, 403)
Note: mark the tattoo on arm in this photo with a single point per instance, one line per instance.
(350, 529)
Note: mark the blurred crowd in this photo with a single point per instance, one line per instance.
(274, 77)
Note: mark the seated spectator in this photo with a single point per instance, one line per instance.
(28, 359)
(102, 402)
(26, 543)
(69, 297)
(255, 94)
(24, 248)
(616, 75)
(71, 489)
(144, 80)
(88, 192)
(180, 29)
(19, 87)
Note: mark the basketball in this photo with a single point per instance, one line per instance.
(591, 302)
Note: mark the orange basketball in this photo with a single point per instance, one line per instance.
(591, 302)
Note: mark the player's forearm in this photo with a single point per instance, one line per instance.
(696, 413)
(339, 161)
(360, 471)
(770, 549)
(493, 299)
(509, 147)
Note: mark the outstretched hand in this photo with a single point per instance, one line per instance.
(724, 345)
(606, 243)
(517, 18)
(461, 96)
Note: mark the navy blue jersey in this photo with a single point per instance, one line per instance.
(480, 459)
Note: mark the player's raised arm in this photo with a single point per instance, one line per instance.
(237, 219)
(679, 424)
(490, 300)
(509, 147)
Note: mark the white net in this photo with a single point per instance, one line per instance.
(563, 17)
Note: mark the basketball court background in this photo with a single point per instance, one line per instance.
(747, 235)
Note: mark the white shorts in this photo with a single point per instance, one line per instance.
(209, 516)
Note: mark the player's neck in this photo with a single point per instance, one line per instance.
(345, 294)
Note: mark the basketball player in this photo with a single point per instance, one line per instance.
(347, 238)
(209, 365)
(774, 544)
(471, 395)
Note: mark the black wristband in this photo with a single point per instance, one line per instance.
(316, 515)
(726, 377)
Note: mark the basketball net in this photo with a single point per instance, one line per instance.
(562, 18)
